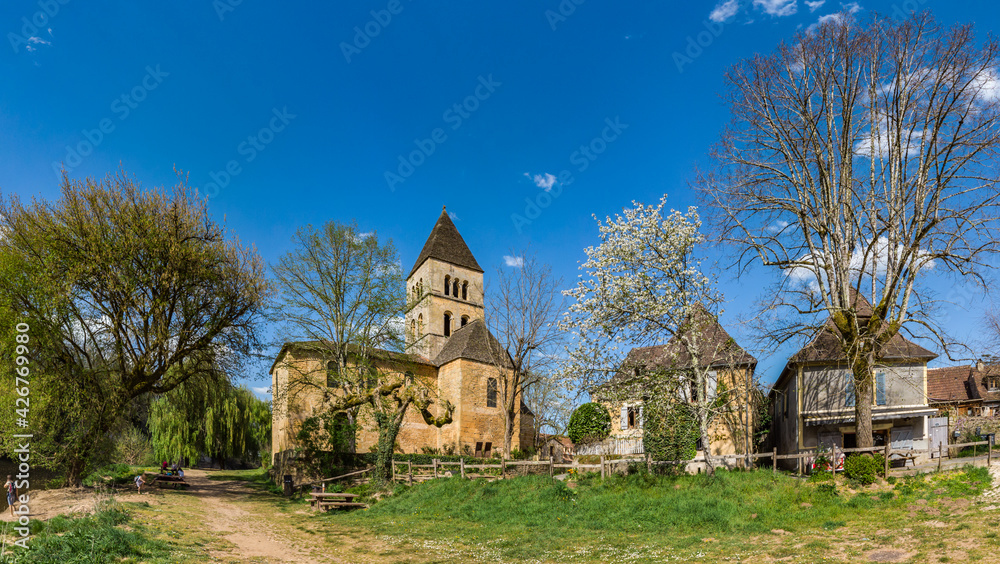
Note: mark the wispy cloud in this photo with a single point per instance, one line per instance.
(544, 181)
(724, 11)
(813, 6)
(33, 43)
(264, 390)
(836, 18)
(453, 216)
(513, 262)
(777, 226)
(778, 8)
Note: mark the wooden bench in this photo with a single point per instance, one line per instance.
(165, 481)
(327, 500)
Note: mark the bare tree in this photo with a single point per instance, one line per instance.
(860, 157)
(343, 297)
(523, 316)
(551, 401)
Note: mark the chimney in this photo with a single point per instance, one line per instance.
(979, 365)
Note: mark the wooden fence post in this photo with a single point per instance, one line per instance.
(774, 461)
(551, 468)
(603, 474)
(989, 451)
(410, 472)
(940, 454)
(503, 467)
(435, 462)
(462, 465)
(649, 463)
(833, 463)
(888, 451)
(393, 463)
(798, 462)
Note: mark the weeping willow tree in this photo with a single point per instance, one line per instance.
(209, 417)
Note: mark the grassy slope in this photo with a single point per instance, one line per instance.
(731, 514)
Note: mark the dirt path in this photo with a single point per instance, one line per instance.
(227, 513)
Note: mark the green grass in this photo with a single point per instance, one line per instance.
(104, 537)
(527, 516)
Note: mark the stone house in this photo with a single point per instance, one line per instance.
(448, 348)
(728, 365)
(965, 390)
(812, 401)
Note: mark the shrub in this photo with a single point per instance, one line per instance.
(864, 468)
(671, 432)
(590, 422)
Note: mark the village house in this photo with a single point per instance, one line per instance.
(448, 347)
(813, 399)
(965, 390)
(728, 366)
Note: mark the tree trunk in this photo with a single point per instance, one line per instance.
(74, 472)
(863, 389)
(508, 434)
(388, 430)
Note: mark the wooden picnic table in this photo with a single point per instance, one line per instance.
(166, 480)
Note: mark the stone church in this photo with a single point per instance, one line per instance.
(448, 346)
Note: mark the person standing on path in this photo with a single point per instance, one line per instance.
(11, 494)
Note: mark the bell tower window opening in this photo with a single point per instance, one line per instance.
(447, 324)
(447, 284)
(465, 320)
(465, 290)
(454, 288)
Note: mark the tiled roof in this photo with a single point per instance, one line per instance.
(446, 244)
(472, 342)
(961, 384)
(825, 347)
(380, 354)
(717, 347)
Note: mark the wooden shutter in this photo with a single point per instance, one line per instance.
(880, 388)
(640, 417)
(624, 418)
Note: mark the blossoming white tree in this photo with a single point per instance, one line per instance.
(643, 287)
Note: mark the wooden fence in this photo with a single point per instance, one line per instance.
(609, 447)
(407, 471)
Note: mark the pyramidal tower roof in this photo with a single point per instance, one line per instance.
(446, 244)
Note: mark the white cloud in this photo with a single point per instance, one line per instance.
(453, 216)
(837, 18)
(813, 6)
(777, 8)
(724, 11)
(263, 391)
(545, 181)
(777, 226)
(514, 262)
(873, 259)
(987, 86)
(34, 41)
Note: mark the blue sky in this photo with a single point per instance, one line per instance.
(296, 113)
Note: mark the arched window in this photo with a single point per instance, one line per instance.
(420, 324)
(491, 392)
(447, 324)
(454, 291)
(447, 284)
(465, 320)
(420, 288)
(465, 290)
(332, 374)
(413, 326)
